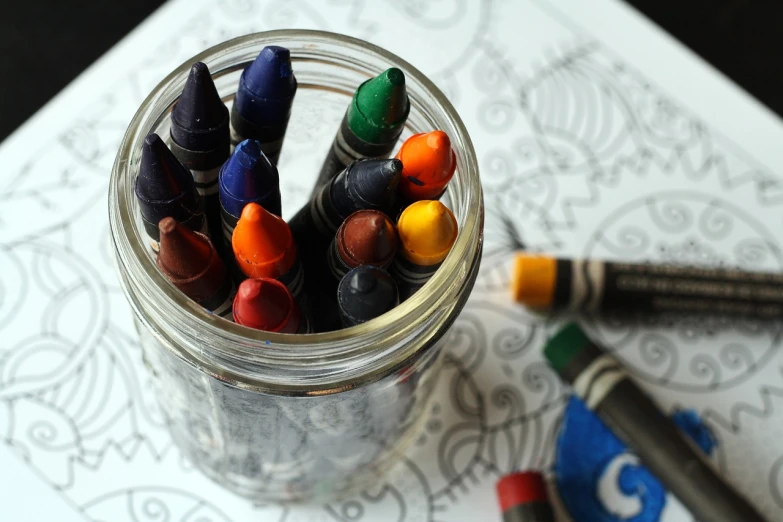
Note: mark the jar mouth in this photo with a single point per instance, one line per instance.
(236, 352)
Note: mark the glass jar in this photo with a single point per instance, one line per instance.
(295, 417)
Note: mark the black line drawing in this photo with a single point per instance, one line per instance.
(581, 155)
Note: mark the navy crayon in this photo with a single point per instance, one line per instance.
(200, 137)
(247, 177)
(165, 188)
(263, 102)
(364, 293)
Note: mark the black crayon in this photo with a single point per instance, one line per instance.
(200, 138)
(165, 188)
(548, 283)
(365, 293)
(363, 185)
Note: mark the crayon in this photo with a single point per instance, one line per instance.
(165, 188)
(200, 137)
(600, 381)
(428, 164)
(366, 237)
(248, 176)
(363, 185)
(365, 293)
(427, 231)
(192, 264)
(267, 304)
(371, 125)
(523, 498)
(264, 247)
(547, 283)
(263, 101)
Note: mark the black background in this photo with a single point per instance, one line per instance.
(46, 44)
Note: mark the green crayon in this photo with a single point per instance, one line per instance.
(371, 125)
(601, 382)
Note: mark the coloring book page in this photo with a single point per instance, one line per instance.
(597, 136)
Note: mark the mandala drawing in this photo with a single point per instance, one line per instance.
(580, 156)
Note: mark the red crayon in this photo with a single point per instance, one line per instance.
(267, 304)
(523, 498)
(192, 264)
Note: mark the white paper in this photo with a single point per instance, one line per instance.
(597, 135)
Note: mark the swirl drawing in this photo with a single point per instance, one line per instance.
(581, 155)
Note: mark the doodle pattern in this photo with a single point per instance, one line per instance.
(580, 155)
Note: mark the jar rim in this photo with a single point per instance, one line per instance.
(246, 356)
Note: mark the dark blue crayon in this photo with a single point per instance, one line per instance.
(247, 177)
(200, 136)
(165, 188)
(263, 101)
(365, 293)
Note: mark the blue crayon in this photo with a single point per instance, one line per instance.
(263, 101)
(247, 177)
(165, 188)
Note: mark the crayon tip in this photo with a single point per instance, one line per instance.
(271, 75)
(365, 293)
(265, 304)
(248, 173)
(521, 488)
(533, 280)
(199, 120)
(427, 231)
(367, 237)
(380, 104)
(183, 254)
(262, 243)
(428, 164)
(374, 181)
(383, 100)
(565, 345)
(161, 176)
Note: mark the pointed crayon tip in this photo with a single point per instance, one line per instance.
(427, 231)
(520, 489)
(374, 181)
(199, 119)
(365, 293)
(248, 173)
(565, 345)
(266, 304)
(262, 243)
(383, 100)
(183, 254)
(161, 176)
(367, 237)
(271, 75)
(428, 165)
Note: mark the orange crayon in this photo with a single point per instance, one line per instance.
(428, 164)
(427, 231)
(264, 247)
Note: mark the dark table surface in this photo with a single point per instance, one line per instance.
(47, 44)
